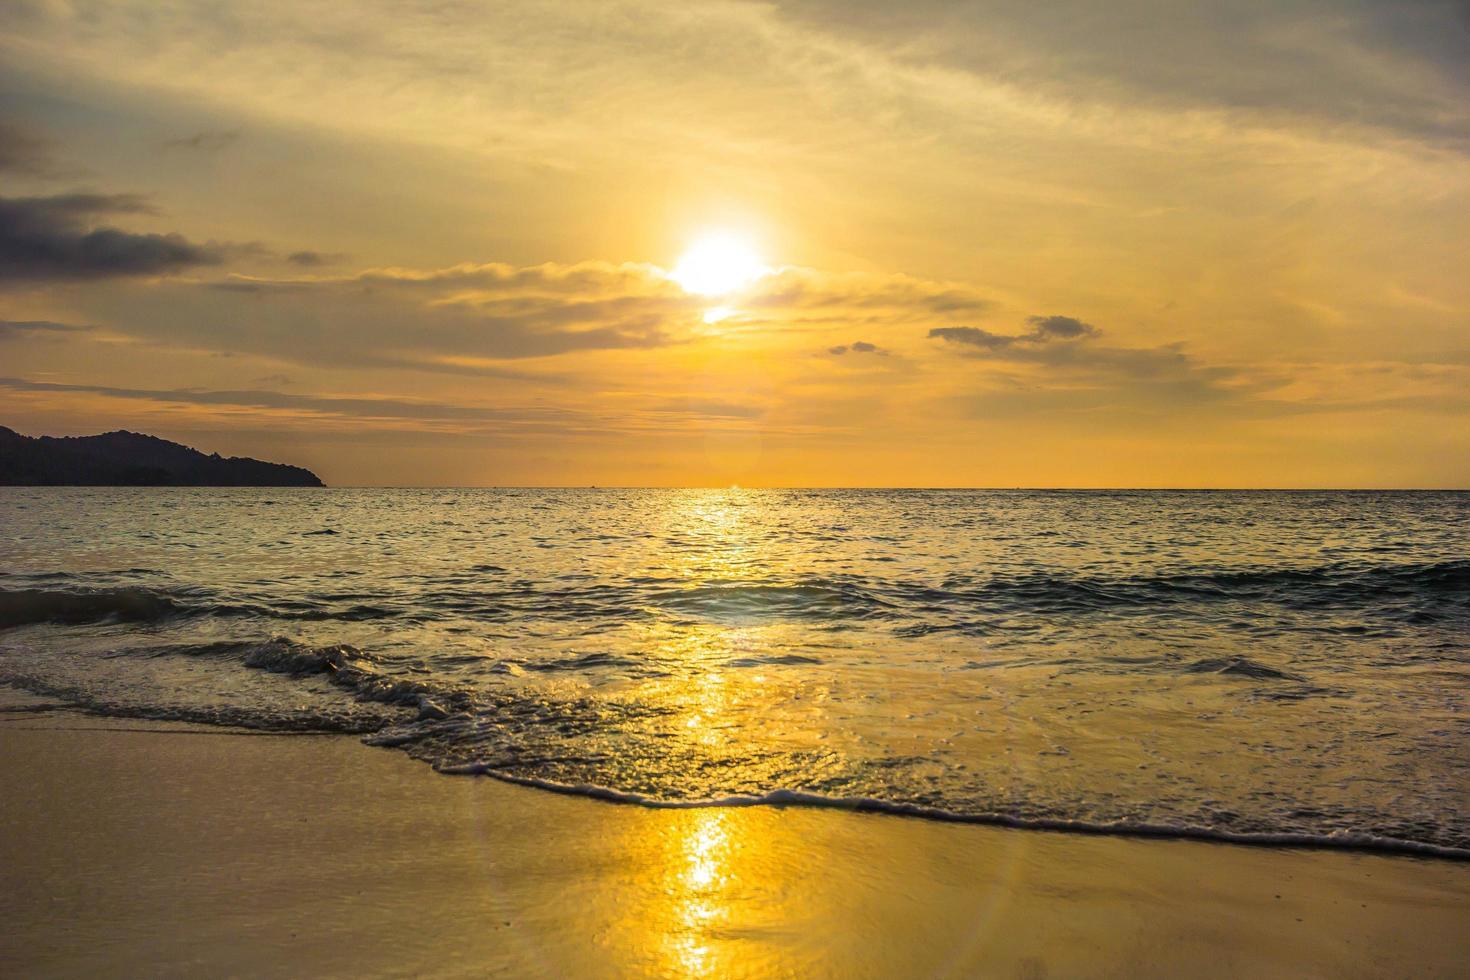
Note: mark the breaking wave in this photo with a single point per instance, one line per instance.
(1430, 589)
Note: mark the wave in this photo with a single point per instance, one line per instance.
(1325, 585)
(444, 721)
(350, 668)
(737, 601)
(775, 660)
(139, 604)
(342, 665)
(377, 732)
(131, 604)
(1240, 667)
(1415, 594)
(297, 722)
(1341, 840)
(591, 661)
(1349, 579)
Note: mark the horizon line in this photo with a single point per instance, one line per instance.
(987, 489)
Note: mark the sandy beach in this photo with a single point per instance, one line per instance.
(135, 848)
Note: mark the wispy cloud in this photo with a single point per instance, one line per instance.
(11, 329)
(450, 318)
(380, 409)
(309, 259)
(24, 151)
(209, 141)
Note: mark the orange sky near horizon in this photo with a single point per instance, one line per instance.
(954, 244)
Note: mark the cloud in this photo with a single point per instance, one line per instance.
(458, 320)
(1063, 365)
(57, 238)
(309, 259)
(15, 329)
(463, 318)
(1044, 330)
(208, 141)
(362, 408)
(1060, 328)
(490, 280)
(801, 289)
(707, 409)
(973, 336)
(857, 347)
(657, 414)
(23, 151)
(1323, 64)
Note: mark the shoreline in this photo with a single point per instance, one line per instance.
(1345, 843)
(134, 849)
(15, 702)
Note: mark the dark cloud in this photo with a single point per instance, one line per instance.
(973, 336)
(57, 238)
(13, 329)
(62, 208)
(208, 141)
(1060, 328)
(244, 286)
(24, 151)
(858, 347)
(307, 258)
(1087, 373)
(1044, 330)
(548, 279)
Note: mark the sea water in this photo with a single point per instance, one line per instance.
(1289, 667)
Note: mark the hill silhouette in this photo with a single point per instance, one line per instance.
(132, 459)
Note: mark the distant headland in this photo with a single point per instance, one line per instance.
(132, 459)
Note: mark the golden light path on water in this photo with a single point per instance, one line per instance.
(717, 889)
(746, 891)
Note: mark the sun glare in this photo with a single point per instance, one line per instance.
(718, 264)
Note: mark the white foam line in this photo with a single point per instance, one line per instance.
(1350, 841)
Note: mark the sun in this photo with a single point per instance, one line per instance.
(718, 264)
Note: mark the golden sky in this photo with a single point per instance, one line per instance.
(955, 244)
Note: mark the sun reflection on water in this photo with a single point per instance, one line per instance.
(688, 928)
(701, 879)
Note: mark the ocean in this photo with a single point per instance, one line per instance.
(1267, 667)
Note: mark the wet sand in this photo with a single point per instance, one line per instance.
(133, 849)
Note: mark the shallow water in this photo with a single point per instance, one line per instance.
(1271, 666)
